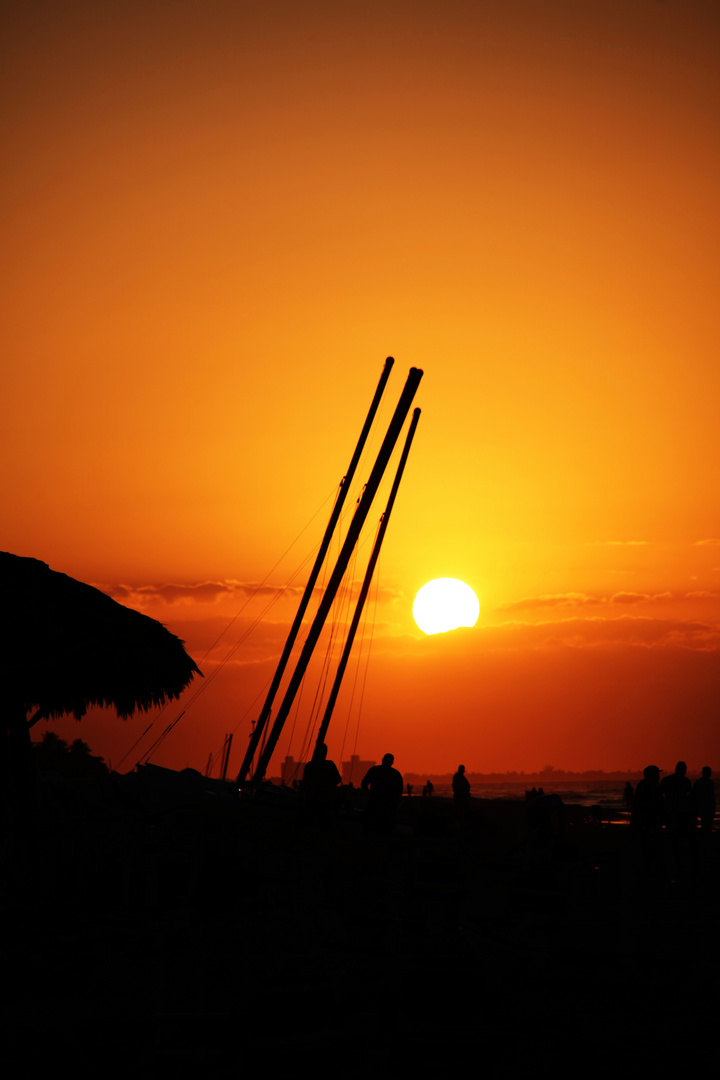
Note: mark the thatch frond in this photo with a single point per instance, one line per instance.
(66, 646)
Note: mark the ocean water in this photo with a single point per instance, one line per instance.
(607, 793)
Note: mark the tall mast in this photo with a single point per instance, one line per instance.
(345, 484)
(322, 732)
(403, 406)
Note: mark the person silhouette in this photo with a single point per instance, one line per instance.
(646, 818)
(461, 789)
(319, 787)
(704, 796)
(676, 793)
(384, 786)
(628, 795)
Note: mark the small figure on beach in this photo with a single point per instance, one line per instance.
(704, 796)
(628, 795)
(384, 786)
(428, 789)
(409, 788)
(461, 789)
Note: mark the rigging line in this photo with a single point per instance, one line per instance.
(320, 692)
(262, 740)
(202, 687)
(301, 688)
(210, 678)
(343, 598)
(161, 709)
(342, 601)
(375, 434)
(206, 682)
(367, 661)
(302, 683)
(244, 716)
(241, 641)
(359, 660)
(282, 715)
(296, 714)
(138, 740)
(158, 740)
(307, 738)
(161, 738)
(272, 570)
(315, 709)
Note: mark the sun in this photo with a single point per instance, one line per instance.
(444, 604)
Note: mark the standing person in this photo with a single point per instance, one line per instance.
(384, 786)
(646, 818)
(461, 789)
(677, 796)
(704, 793)
(319, 786)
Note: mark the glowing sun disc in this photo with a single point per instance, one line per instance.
(444, 604)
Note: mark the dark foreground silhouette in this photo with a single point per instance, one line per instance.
(461, 789)
(166, 927)
(384, 786)
(319, 786)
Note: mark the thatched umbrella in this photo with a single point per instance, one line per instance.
(65, 646)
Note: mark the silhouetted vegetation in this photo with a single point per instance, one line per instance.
(53, 754)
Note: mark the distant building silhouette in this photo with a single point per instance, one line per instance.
(291, 770)
(354, 769)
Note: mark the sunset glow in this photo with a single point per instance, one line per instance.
(220, 218)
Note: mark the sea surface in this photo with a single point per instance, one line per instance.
(607, 793)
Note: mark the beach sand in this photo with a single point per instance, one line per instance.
(178, 933)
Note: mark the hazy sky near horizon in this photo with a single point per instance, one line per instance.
(220, 218)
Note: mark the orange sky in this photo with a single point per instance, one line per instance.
(219, 219)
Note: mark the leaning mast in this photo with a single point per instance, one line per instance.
(345, 484)
(361, 512)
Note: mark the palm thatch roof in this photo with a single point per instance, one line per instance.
(65, 646)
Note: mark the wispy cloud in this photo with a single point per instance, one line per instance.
(580, 600)
(570, 599)
(204, 592)
(212, 592)
(597, 631)
(639, 598)
(617, 543)
(707, 543)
